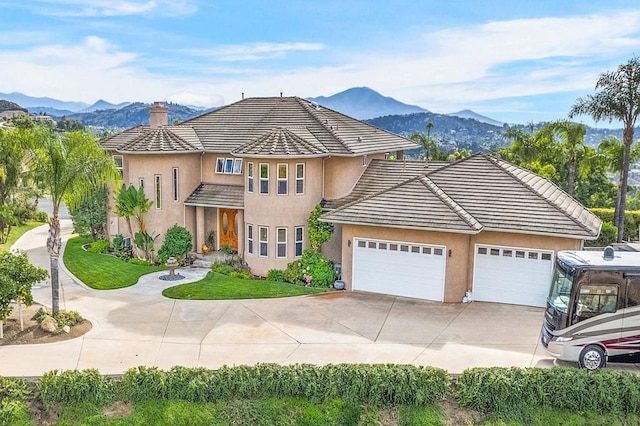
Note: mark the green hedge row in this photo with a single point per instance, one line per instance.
(512, 391)
(378, 385)
(631, 221)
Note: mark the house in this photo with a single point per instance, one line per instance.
(250, 173)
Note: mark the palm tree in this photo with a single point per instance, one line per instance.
(572, 135)
(131, 202)
(618, 99)
(611, 155)
(67, 166)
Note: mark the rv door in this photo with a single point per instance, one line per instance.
(630, 338)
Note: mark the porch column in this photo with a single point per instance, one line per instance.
(240, 230)
(199, 228)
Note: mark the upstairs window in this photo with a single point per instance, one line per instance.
(119, 165)
(264, 178)
(299, 178)
(229, 166)
(283, 179)
(158, 190)
(249, 177)
(174, 175)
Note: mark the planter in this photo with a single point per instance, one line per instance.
(338, 285)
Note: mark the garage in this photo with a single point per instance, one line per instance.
(399, 268)
(512, 275)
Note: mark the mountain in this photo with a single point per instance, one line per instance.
(364, 103)
(54, 112)
(131, 115)
(467, 113)
(10, 106)
(102, 104)
(29, 101)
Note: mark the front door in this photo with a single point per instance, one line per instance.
(228, 228)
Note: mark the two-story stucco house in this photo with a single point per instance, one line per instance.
(251, 172)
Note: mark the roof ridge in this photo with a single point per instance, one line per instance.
(152, 133)
(307, 106)
(451, 203)
(499, 163)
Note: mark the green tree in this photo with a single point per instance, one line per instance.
(12, 151)
(572, 145)
(90, 215)
(319, 232)
(131, 202)
(617, 98)
(66, 124)
(17, 276)
(68, 166)
(430, 145)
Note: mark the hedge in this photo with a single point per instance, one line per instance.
(631, 221)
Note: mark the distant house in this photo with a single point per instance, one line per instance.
(251, 172)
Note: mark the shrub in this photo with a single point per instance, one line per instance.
(608, 235)
(222, 267)
(177, 243)
(74, 387)
(41, 216)
(63, 318)
(631, 221)
(243, 274)
(121, 249)
(312, 269)
(319, 232)
(99, 246)
(276, 275)
(140, 262)
(140, 384)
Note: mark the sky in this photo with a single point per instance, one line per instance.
(515, 61)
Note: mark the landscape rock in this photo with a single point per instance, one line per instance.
(49, 324)
(66, 329)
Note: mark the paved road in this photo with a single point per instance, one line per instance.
(138, 326)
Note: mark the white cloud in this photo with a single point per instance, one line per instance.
(111, 8)
(254, 51)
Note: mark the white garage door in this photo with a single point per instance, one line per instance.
(399, 268)
(512, 275)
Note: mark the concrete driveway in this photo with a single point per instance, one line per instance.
(138, 326)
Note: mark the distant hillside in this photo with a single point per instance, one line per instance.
(467, 113)
(10, 106)
(54, 112)
(102, 104)
(30, 101)
(131, 115)
(364, 103)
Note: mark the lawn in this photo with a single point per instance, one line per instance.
(17, 232)
(100, 271)
(217, 286)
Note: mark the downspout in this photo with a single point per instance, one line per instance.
(323, 182)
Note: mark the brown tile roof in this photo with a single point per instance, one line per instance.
(164, 139)
(496, 194)
(280, 143)
(241, 124)
(216, 195)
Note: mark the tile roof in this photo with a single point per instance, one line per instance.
(216, 195)
(497, 195)
(280, 143)
(164, 139)
(240, 125)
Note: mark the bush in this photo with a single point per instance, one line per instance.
(319, 232)
(140, 262)
(41, 217)
(243, 275)
(63, 318)
(99, 246)
(121, 249)
(312, 269)
(140, 384)
(177, 243)
(631, 221)
(222, 267)
(74, 387)
(276, 275)
(608, 235)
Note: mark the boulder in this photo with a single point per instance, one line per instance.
(66, 329)
(49, 324)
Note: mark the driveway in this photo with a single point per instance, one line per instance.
(138, 326)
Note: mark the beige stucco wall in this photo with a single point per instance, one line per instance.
(342, 173)
(460, 249)
(170, 212)
(275, 211)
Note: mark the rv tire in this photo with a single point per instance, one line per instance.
(592, 357)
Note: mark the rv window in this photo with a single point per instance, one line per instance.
(595, 300)
(633, 292)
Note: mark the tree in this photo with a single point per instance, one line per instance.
(17, 276)
(131, 202)
(572, 143)
(618, 98)
(611, 156)
(68, 166)
(430, 146)
(11, 155)
(90, 215)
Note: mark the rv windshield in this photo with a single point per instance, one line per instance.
(560, 289)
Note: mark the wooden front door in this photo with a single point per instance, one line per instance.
(228, 228)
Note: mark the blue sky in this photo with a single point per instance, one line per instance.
(515, 61)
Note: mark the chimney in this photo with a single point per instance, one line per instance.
(158, 115)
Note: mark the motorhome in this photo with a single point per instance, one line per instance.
(593, 308)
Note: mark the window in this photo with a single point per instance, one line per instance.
(158, 190)
(594, 300)
(119, 165)
(250, 239)
(300, 178)
(174, 175)
(249, 177)
(229, 166)
(283, 173)
(281, 242)
(141, 182)
(299, 230)
(264, 178)
(264, 241)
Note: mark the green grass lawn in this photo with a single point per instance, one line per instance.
(222, 287)
(17, 232)
(100, 271)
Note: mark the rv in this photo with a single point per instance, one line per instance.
(593, 308)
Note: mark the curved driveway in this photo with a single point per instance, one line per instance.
(138, 326)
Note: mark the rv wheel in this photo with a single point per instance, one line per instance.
(592, 357)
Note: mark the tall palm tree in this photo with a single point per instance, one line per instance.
(67, 166)
(572, 143)
(618, 98)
